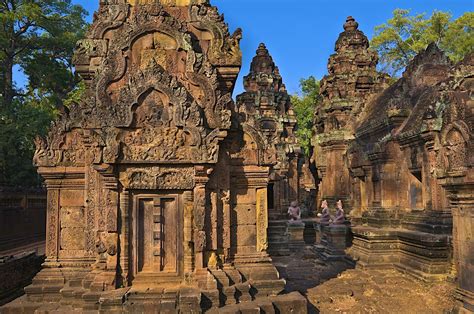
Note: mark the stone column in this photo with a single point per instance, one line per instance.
(336, 182)
(293, 179)
(226, 224)
(368, 196)
(433, 194)
(65, 233)
(52, 226)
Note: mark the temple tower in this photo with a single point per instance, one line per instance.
(265, 107)
(352, 79)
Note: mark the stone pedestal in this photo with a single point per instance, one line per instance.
(334, 241)
(258, 269)
(317, 230)
(296, 234)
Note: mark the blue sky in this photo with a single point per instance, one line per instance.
(301, 34)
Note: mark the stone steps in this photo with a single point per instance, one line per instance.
(277, 234)
(290, 303)
(179, 300)
(231, 286)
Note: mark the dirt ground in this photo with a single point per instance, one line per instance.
(334, 288)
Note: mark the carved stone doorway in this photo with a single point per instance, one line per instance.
(157, 251)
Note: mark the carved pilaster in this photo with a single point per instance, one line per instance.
(124, 239)
(262, 220)
(92, 204)
(226, 224)
(188, 232)
(213, 221)
(200, 201)
(52, 226)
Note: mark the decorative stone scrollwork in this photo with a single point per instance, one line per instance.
(207, 19)
(109, 16)
(158, 178)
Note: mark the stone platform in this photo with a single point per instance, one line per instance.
(423, 255)
(249, 288)
(183, 300)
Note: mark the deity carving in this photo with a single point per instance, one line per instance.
(456, 149)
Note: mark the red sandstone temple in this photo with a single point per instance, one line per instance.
(157, 182)
(401, 159)
(161, 188)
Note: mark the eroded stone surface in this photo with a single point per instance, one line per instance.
(336, 288)
(388, 291)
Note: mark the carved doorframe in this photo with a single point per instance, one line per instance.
(136, 196)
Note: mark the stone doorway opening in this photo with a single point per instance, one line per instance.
(157, 227)
(271, 196)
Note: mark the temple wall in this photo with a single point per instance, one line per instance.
(22, 218)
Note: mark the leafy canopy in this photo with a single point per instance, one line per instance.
(38, 38)
(403, 36)
(305, 105)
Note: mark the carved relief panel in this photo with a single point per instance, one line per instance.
(72, 229)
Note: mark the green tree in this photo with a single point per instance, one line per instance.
(305, 105)
(38, 37)
(404, 35)
(20, 123)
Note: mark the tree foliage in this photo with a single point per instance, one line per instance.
(305, 105)
(404, 35)
(19, 125)
(37, 37)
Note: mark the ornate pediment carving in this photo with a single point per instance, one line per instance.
(153, 92)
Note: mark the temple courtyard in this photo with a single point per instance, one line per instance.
(335, 287)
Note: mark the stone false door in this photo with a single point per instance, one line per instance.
(157, 239)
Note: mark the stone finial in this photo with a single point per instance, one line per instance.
(351, 24)
(262, 62)
(262, 50)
